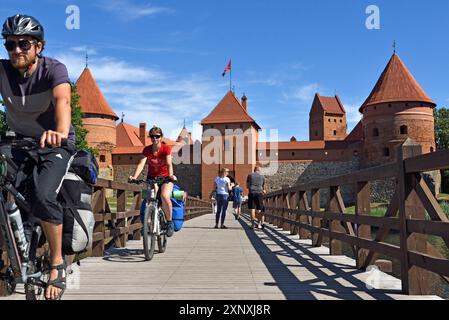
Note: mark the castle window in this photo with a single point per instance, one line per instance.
(212, 127)
(293, 154)
(341, 121)
(375, 132)
(226, 127)
(404, 130)
(389, 105)
(431, 149)
(241, 126)
(102, 158)
(375, 107)
(329, 120)
(406, 104)
(386, 152)
(335, 132)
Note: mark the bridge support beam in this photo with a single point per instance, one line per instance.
(415, 281)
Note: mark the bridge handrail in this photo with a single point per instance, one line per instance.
(297, 209)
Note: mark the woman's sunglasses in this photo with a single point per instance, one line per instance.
(155, 136)
(24, 45)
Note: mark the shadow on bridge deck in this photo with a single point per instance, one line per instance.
(334, 277)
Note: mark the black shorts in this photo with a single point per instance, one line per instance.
(255, 201)
(41, 185)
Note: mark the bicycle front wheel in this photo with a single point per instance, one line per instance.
(162, 238)
(149, 237)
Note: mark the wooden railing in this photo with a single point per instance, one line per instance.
(297, 209)
(114, 229)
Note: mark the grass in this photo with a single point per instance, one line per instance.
(377, 209)
(112, 201)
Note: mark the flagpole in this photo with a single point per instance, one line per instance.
(230, 78)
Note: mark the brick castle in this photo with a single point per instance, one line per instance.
(396, 109)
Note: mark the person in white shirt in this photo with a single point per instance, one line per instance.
(222, 186)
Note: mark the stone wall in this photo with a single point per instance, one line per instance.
(294, 173)
(189, 176)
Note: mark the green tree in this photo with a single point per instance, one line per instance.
(442, 140)
(442, 128)
(77, 122)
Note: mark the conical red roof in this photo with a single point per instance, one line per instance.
(91, 99)
(396, 84)
(229, 110)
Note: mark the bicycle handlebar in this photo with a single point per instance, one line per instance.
(157, 180)
(31, 143)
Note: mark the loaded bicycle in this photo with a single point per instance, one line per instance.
(154, 220)
(29, 257)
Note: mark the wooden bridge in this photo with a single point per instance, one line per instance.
(286, 260)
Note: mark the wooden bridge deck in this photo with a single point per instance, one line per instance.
(234, 264)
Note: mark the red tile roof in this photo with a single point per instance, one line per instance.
(396, 84)
(184, 135)
(331, 104)
(91, 98)
(356, 133)
(229, 110)
(128, 136)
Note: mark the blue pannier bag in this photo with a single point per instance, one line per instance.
(177, 212)
(85, 166)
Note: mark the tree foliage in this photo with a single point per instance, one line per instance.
(442, 128)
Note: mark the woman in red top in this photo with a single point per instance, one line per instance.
(159, 158)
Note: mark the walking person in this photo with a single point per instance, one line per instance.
(222, 186)
(255, 183)
(237, 200)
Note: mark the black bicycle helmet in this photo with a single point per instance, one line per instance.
(21, 24)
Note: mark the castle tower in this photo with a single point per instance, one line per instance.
(99, 119)
(327, 119)
(397, 109)
(230, 137)
(185, 136)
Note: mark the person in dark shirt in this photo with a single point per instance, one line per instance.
(256, 185)
(36, 93)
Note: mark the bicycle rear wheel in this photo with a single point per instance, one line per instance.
(162, 238)
(149, 238)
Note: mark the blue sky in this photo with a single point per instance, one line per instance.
(161, 61)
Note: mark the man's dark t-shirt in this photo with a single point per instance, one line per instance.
(29, 103)
(255, 182)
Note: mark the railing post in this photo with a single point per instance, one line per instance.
(415, 281)
(98, 207)
(3, 257)
(316, 222)
(362, 208)
(334, 225)
(303, 206)
(136, 206)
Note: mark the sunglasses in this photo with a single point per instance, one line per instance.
(24, 45)
(155, 136)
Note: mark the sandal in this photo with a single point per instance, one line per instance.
(59, 282)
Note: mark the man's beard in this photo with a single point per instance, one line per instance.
(22, 62)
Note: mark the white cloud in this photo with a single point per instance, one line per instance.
(150, 95)
(304, 93)
(128, 10)
(84, 49)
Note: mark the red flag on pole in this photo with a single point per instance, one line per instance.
(228, 67)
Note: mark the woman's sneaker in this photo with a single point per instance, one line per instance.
(170, 228)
